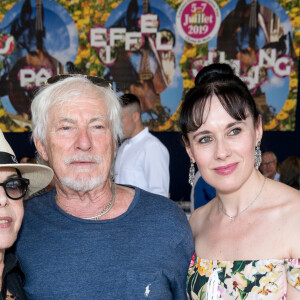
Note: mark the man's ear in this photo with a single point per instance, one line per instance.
(40, 147)
(136, 116)
(115, 145)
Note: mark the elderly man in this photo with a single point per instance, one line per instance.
(268, 165)
(142, 160)
(90, 238)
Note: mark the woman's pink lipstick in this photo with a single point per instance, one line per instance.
(226, 170)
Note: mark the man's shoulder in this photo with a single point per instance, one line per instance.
(160, 200)
(161, 214)
(38, 200)
(162, 207)
(152, 141)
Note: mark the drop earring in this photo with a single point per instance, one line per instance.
(192, 173)
(257, 155)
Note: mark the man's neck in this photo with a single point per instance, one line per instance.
(137, 130)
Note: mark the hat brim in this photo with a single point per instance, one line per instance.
(40, 176)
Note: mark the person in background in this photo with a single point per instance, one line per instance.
(290, 172)
(201, 192)
(238, 233)
(31, 160)
(268, 165)
(89, 238)
(17, 180)
(24, 159)
(142, 159)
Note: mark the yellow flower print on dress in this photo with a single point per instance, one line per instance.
(204, 267)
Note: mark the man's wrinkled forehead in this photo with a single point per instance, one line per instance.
(70, 110)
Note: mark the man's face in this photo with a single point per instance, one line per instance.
(79, 143)
(128, 122)
(268, 165)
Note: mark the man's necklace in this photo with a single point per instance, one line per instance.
(107, 208)
(232, 218)
(109, 205)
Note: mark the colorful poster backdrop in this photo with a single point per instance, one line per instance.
(152, 49)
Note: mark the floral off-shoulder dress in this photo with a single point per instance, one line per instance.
(246, 280)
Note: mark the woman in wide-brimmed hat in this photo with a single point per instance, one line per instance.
(16, 181)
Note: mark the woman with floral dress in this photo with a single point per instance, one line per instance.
(247, 239)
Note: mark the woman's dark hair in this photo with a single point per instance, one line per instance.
(290, 171)
(210, 71)
(219, 80)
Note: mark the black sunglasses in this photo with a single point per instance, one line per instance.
(15, 188)
(94, 79)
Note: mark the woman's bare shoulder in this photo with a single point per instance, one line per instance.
(292, 217)
(283, 194)
(287, 211)
(200, 215)
(291, 200)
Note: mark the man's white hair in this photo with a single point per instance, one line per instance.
(65, 90)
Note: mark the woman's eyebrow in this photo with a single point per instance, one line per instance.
(234, 124)
(201, 133)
